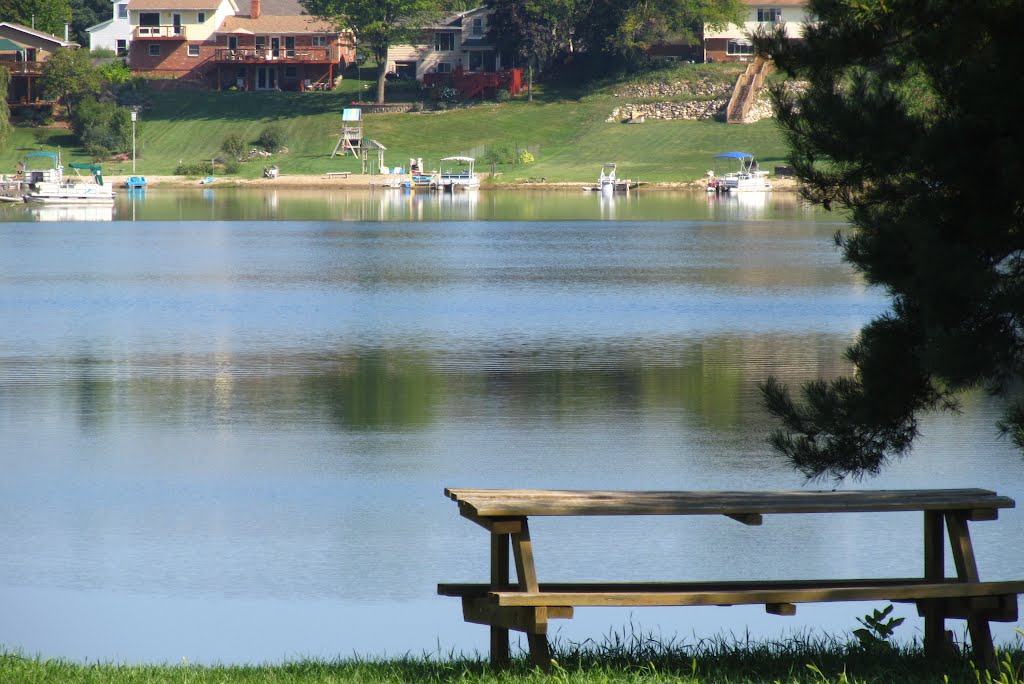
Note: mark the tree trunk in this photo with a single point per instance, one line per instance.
(382, 71)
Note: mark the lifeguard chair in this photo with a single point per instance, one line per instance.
(351, 131)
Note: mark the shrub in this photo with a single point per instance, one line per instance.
(498, 154)
(233, 146)
(102, 125)
(273, 138)
(525, 157)
(202, 168)
(449, 96)
(503, 95)
(231, 167)
(115, 73)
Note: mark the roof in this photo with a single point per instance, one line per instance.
(38, 34)
(276, 24)
(775, 3)
(7, 45)
(99, 26)
(277, 8)
(173, 4)
(454, 21)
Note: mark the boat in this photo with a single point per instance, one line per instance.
(608, 181)
(135, 182)
(462, 178)
(48, 185)
(749, 177)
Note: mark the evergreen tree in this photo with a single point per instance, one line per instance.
(909, 123)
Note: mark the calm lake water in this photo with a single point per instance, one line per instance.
(227, 417)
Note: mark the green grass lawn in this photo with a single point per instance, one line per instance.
(628, 661)
(568, 133)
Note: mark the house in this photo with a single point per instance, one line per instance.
(457, 48)
(23, 51)
(270, 45)
(733, 44)
(458, 40)
(113, 34)
(277, 47)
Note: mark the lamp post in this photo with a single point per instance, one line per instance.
(135, 117)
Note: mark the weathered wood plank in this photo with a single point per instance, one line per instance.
(526, 502)
(484, 611)
(751, 596)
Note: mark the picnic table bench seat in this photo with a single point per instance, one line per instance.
(527, 604)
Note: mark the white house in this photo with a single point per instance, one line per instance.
(733, 44)
(114, 34)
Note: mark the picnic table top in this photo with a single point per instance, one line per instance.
(492, 503)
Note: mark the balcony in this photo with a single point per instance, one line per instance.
(23, 67)
(159, 33)
(305, 55)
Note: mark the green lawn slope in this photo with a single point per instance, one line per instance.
(567, 132)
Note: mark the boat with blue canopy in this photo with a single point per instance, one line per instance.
(749, 177)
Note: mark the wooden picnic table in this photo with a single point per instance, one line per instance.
(527, 604)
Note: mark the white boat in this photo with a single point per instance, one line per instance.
(48, 186)
(461, 178)
(749, 177)
(608, 182)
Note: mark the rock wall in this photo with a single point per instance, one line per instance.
(713, 99)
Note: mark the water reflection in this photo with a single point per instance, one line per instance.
(395, 204)
(227, 439)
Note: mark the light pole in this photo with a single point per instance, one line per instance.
(135, 117)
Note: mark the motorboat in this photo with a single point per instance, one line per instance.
(749, 177)
(135, 182)
(459, 175)
(609, 182)
(49, 186)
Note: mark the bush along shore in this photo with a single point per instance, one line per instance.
(625, 659)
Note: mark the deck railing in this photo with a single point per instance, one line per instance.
(305, 54)
(21, 66)
(165, 31)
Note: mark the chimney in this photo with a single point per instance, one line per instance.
(67, 27)
(254, 9)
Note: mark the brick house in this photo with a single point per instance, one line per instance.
(270, 46)
(23, 51)
(733, 44)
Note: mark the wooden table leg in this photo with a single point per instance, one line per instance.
(500, 579)
(526, 573)
(934, 571)
(967, 571)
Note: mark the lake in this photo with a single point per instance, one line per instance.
(227, 417)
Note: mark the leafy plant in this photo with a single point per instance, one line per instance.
(273, 138)
(233, 146)
(877, 630)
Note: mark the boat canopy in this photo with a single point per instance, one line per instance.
(734, 155)
(51, 155)
(87, 167)
(461, 160)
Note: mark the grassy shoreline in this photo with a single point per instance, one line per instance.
(568, 132)
(796, 660)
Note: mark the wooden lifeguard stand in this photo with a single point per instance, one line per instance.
(351, 131)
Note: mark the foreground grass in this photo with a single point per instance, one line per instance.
(794, 661)
(565, 129)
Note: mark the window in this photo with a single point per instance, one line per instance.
(769, 14)
(121, 46)
(319, 41)
(444, 42)
(740, 47)
(232, 42)
(122, 10)
(444, 67)
(200, 17)
(476, 60)
(289, 46)
(149, 18)
(478, 26)
(154, 50)
(193, 50)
